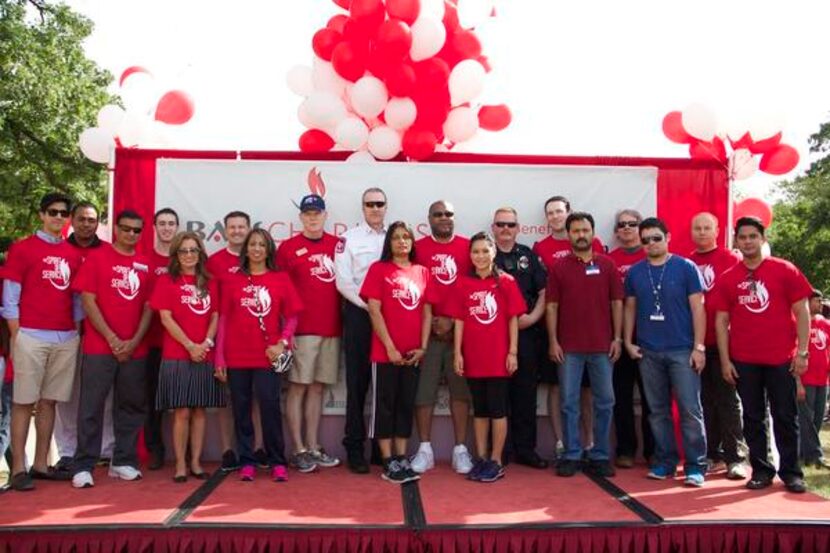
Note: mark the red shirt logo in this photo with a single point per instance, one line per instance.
(707, 273)
(259, 302)
(323, 268)
(487, 309)
(406, 292)
(447, 269)
(58, 276)
(191, 298)
(129, 284)
(818, 338)
(753, 295)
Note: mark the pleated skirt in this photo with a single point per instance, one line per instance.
(187, 384)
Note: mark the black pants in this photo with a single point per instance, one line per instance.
(357, 340)
(756, 385)
(153, 435)
(266, 385)
(721, 413)
(626, 375)
(393, 400)
(522, 393)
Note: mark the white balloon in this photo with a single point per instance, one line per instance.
(472, 13)
(325, 78)
(432, 8)
(699, 121)
(361, 156)
(302, 116)
(351, 133)
(765, 126)
(461, 124)
(368, 96)
(299, 80)
(139, 93)
(742, 164)
(109, 118)
(428, 36)
(324, 109)
(96, 144)
(400, 113)
(130, 131)
(384, 142)
(466, 81)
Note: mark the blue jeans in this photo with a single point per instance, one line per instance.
(602, 389)
(664, 374)
(810, 417)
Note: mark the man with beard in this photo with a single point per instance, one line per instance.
(763, 328)
(447, 256)
(584, 315)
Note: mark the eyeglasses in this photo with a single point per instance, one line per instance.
(440, 214)
(506, 224)
(654, 238)
(627, 224)
(377, 205)
(187, 251)
(58, 213)
(128, 228)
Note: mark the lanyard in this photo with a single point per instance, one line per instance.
(657, 289)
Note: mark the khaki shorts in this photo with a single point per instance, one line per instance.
(438, 362)
(43, 370)
(316, 359)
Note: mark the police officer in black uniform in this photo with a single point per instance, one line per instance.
(522, 264)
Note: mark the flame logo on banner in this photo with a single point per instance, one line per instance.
(133, 286)
(315, 182)
(488, 307)
(448, 271)
(198, 305)
(707, 272)
(761, 298)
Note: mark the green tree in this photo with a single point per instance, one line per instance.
(801, 226)
(49, 93)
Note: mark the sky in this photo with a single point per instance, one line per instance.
(587, 78)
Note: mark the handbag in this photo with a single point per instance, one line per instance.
(285, 360)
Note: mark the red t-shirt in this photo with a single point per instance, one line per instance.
(625, 259)
(550, 249)
(445, 262)
(762, 327)
(122, 285)
(485, 306)
(819, 361)
(155, 334)
(244, 298)
(584, 292)
(402, 292)
(222, 265)
(45, 272)
(712, 265)
(310, 264)
(190, 311)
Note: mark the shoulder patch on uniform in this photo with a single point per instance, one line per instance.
(341, 245)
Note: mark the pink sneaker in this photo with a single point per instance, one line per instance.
(279, 474)
(247, 473)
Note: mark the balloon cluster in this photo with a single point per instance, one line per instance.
(753, 147)
(143, 123)
(396, 76)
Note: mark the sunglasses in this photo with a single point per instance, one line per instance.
(505, 224)
(377, 205)
(627, 224)
(128, 228)
(187, 251)
(439, 214)
(655, 239)
(58, 212)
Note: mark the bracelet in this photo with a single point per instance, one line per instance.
(210, 342)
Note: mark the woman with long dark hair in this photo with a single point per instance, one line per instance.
(257, 322)
(486, 309)
(396, 291)
(185, 298)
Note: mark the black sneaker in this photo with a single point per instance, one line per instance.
(601, 468)
(394, 472)
(261, 459)
(229, 461)
(409, 474)
(532, 460)
(64, 464)
(759, 482)
(22, 482)
(567, 468)
(795, 485)
(357, 462)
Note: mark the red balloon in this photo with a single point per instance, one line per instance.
(780, 160)
(700, 149)
(394, 39)
(400, 80)
(765, 145)
(337, 22)
(494, 118)
(450, 17)
(343, 3)
(673, 128)
(359, 33)
(129, 71)
(485, 63)
(419, 144)
(348, 61)
(466, 45)
(432, 72)
(405, 10)
(315, 140)
(175, 108)
(324, 41)
(368, 12)
(753, 207)
(744, 142)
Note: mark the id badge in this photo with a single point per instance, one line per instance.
(659, 317)
(591, 270)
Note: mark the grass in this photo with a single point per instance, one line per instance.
(818, 480)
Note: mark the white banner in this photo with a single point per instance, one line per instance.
(202, 192)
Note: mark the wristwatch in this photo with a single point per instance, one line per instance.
(804, 354)
(210, 342)
(284, 342)
(700, 347)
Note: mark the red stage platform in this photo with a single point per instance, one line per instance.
(335, 511)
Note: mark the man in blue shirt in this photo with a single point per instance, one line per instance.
(664, 302)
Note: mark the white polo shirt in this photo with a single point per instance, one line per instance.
(362, 246)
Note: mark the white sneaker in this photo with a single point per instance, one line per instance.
(83, 479)
(423, 460)
(462, 461)
(124, 472)
(736, 471)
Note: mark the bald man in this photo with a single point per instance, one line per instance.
(721, 406)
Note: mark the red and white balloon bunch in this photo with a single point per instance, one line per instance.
(143, 123)
(756, 146)
(396, 76)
